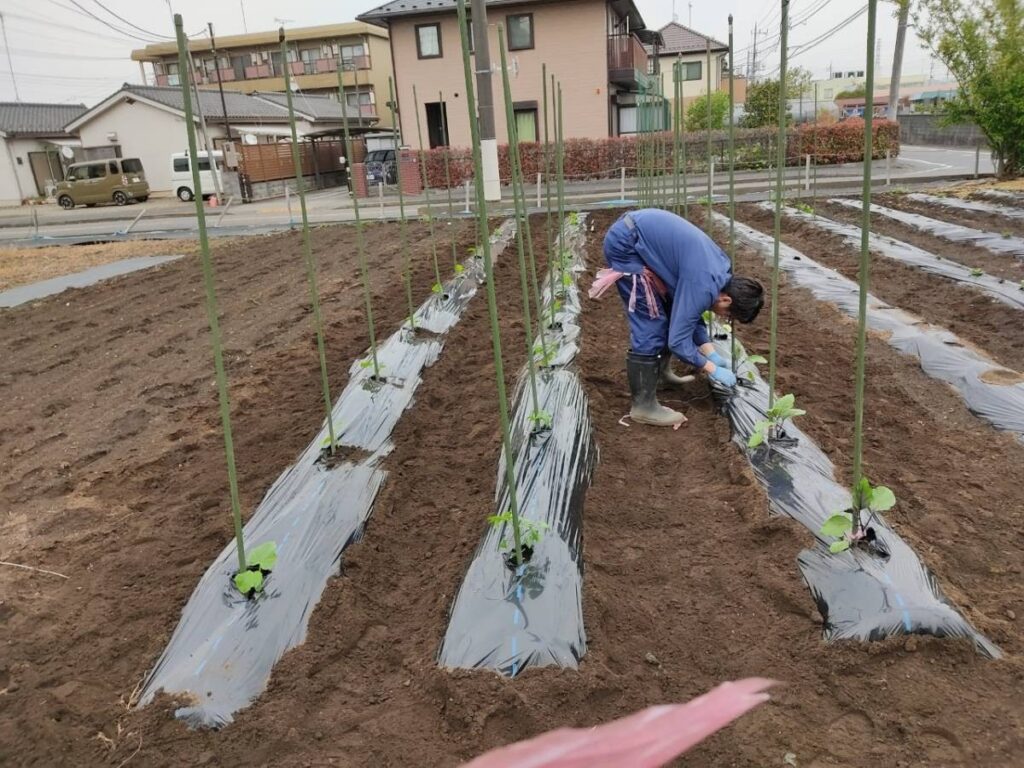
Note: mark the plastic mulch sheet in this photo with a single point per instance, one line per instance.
(1007, 196)
(223, 650)
(989, 391)
(1008, 293)
(505, 618)
(862, 594)
(1009, 211)
(990, 241)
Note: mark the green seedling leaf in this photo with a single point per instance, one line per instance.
(707, 315)
(248, 582)
(784, 403)
(756, 359)
(368, 363)
(976, 272)
(759, 434)
(326, 442)
(882, 499)
(794, 412)
(436, 288)
(839, 546)
(264, 556)
(566, 279)
(1007, 235)
(750, 376)
(542, 418)
(558, 305)
(459, 269)
(837, 525)
(862, 493)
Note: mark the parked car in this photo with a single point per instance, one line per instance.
(114, 180)
(181, 174)
(381, 166)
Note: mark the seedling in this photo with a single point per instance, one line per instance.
(771, 428)
(364, 364)
(840, 526)
(976, 272)
(436, 288)
(459, 269)
(530, 530)
(754, 360)
(1007, 234)
(566, 279)
(805, 208)
(574, 219)
(544, 355)
(259, 563)
(541, 420)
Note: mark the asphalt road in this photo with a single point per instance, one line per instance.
(172, 218)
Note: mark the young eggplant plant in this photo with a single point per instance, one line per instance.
(770, 429)
(532, 532)
(258, 565)
(868, 502)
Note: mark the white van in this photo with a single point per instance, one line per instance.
(181, 174)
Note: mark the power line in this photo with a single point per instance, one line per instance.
(130, 24)
(105, 23)
(45, 22)
(56, 55)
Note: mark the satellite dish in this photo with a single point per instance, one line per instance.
(249, 139)
(67, 153)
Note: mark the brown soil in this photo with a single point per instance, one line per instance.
(688, 582)
(987, 222)
(966, 312)
(19, 266)
(1007, 266)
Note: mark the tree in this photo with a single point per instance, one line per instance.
(857, 92)
(982, 44)
(762, 107)
(798, 82)
(697, 112)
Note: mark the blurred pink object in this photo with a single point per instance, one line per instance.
(647, 739)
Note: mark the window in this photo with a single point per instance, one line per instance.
(113, 167)
(353, 54)
(428, 41)
(131, 165)
(520, 31)
(181, 165)
(692, 70)
(526, 123)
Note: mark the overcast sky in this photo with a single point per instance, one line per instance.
(60, 53)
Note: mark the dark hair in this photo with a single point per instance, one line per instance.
(747, 298)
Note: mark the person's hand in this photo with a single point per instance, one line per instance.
(717, 359)
(724, 376)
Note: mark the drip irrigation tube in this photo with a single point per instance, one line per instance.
(989, 391)
(1008, 293)
(507, 619)
(862, 594)
(995, 243)
(1009, 211)
(224, 647)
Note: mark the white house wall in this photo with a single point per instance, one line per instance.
(19, 148)
(691, 88)
(145, 132)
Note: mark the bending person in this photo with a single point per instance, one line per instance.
(668, 273)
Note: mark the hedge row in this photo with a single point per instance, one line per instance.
(755, 148)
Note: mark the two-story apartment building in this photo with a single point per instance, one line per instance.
(253, 62)
(594, 47)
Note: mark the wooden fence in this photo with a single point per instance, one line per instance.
(271, 162)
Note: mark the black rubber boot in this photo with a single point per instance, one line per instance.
(644, 372)
(668, 376)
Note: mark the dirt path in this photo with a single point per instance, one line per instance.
(970, 314)
(1006, 267)
(20, 266)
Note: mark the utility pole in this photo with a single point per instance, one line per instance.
(220, 85)
(897, 60)
(241, 4)
(485, 103)
(753, 59)
(10, 63)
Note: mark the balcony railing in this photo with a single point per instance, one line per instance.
(626, 52)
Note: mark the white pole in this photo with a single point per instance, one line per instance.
(622, 183)
(807, 174)
(467, 197)
(711, 179)
(135, 221)
(288, 200)
(538, 190)
(888, 167)
(35, 221)
(380, 195)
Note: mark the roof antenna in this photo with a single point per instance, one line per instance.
(675, 16)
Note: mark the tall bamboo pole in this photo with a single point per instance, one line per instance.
(403, 233)
(781, 164)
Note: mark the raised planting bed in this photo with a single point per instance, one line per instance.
(1010, 294)
(221, 655)
(994, 211)
(510, 615)
(971, 314)
(989, 391)
(995, 242)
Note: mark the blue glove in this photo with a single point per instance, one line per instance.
(723, 376)
(718, 360)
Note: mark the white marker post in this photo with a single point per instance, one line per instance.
(807, 174)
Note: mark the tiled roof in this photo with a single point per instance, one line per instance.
(413, 7)
(680, 39)
(240, 106)
(21, 119)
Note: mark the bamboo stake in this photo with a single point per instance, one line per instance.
(781, 164)
(402, 231)
(437, 287)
